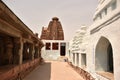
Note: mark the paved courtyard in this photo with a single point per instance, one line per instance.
(53, 70)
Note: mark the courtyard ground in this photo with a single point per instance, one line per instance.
(53, 70)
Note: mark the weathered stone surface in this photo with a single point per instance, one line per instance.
(20, 48)
(54, 30)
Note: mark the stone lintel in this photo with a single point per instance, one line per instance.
(8, 29)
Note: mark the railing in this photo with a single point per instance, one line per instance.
(19, 71)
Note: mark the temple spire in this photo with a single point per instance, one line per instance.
(54, 30)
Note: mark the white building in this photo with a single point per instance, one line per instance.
(78, 46)
(103, 57)
(54, 49)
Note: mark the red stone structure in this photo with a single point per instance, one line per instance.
(20, 48)
(54, 30)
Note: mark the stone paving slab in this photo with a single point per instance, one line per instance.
(53, 70)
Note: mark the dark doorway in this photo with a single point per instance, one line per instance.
(62, 49)
(110, 58)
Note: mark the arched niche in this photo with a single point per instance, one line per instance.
(104, 56)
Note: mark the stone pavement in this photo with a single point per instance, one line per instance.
(53, 70)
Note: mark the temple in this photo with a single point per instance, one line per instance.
(54, 30)
(93, 52)
(53, 38)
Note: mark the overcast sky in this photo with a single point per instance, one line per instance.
(38, 13)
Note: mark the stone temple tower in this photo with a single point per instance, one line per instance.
(54, 30)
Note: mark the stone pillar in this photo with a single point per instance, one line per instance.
(16, 55)
(37, 50)
(31, 52)
(20, 51)
(25, 52)
(8, 58)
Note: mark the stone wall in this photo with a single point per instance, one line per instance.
(20, 48)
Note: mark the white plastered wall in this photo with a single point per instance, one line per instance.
(112, 33)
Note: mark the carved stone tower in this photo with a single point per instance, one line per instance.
(54, 30)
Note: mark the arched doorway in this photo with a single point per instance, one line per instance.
(104, 56)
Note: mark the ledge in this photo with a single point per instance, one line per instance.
(107, 75)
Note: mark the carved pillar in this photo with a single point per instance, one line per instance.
(39, 51)
(31, 52)
(18, 50)
(8, 58)
(40, 45)
(17, 46)
(36, 52)
(21, 51)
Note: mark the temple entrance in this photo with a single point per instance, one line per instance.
(62, 49)
(104, 56)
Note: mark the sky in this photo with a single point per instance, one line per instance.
(38, 13)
